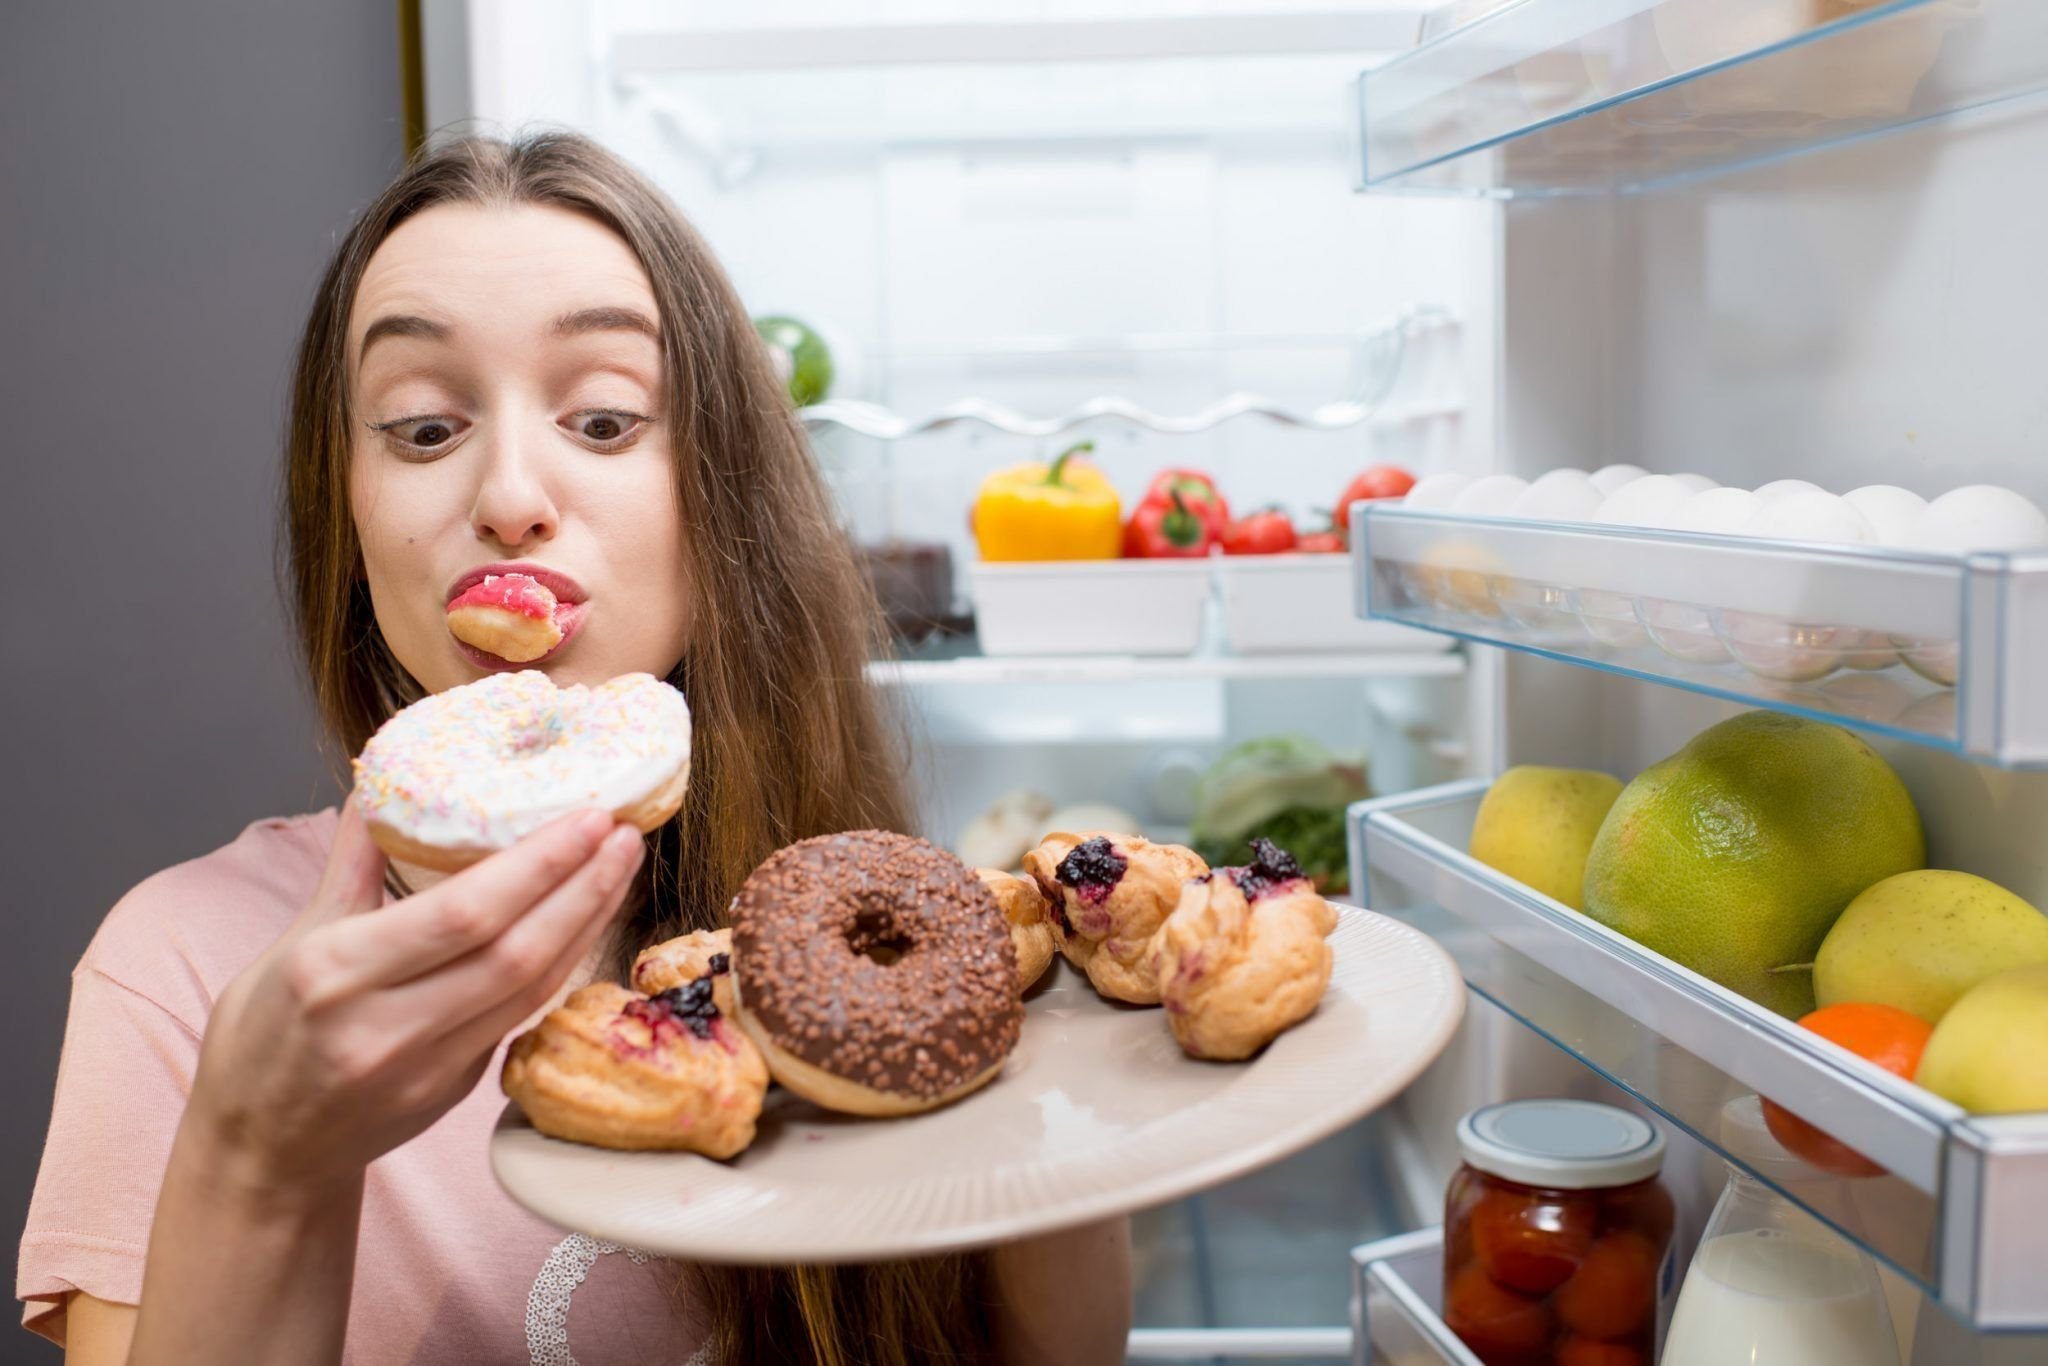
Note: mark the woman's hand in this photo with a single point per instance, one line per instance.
(358, 1029)
(363, 1025)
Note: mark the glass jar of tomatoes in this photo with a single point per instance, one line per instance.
(1556, 1234)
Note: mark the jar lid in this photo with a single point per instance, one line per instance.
(1563, 1144)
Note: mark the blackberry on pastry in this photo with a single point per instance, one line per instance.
(618, 1069)
(1109, 894)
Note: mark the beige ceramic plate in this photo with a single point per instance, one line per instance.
(1098, 1112)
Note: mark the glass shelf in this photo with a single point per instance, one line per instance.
(939, 668)
(1941, 650)
(1396, 1298)
(1958, 1208)
(1560, 97)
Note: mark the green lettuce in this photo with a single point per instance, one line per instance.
(1288, 789)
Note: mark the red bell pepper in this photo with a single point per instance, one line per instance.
(1196, 489)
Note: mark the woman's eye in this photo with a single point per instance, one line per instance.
(607, 428)
(421, 433)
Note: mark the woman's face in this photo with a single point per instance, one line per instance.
(505, 400)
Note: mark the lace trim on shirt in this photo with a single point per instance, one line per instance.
(547, 1305)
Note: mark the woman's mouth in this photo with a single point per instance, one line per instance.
(512, 619)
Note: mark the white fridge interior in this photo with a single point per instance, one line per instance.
(1039, 204)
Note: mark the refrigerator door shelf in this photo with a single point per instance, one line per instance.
(1941, 650)
(1396, 1299)
(1948, 1212)
(1563, 97)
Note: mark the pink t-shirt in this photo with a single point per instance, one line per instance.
(448, 1268)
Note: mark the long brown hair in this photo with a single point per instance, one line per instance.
(790, 737)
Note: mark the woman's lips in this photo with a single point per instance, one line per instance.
(568, 617)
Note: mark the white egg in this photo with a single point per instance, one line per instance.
(1698, 483)
(1559, 496)
(1798, 651)
(1491, 496)
(1815, 516)
(1781, 488)
(1436, 492)
(1685, 630)
(1972, 518)
(1652, 501)
(1722, 512)
(1892, 512)
(1980, 517)
(1611, 477)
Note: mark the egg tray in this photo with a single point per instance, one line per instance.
(1944, 650)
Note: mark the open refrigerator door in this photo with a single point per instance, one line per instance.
(1280, 244)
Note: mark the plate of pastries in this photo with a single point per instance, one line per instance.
(887, 1052)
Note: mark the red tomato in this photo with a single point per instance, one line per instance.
(1330, 542)
(1169, 530)
(1614, 1291)
(1381, 481)
(1498, 1325)
(1196, 489)
(1529, 1243)
(1578, 1351)
(1265, 532)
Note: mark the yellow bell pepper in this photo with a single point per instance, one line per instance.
(1063, 511)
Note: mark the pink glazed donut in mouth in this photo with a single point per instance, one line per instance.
(511, 616)
(464, 773)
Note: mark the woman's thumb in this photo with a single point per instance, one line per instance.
(354, 879)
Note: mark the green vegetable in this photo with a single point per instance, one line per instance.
(1288, 789)
(801, 358)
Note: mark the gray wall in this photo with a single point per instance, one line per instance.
(171, 179)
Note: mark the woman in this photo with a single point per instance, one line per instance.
(521, 355)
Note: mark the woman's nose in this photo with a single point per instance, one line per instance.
(513, 506)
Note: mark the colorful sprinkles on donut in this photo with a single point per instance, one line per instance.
(482, 765)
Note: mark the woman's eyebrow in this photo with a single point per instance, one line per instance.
(400, 325)
(605, 319)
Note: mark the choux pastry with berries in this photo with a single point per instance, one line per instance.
(1244, 956)
(1109, 894)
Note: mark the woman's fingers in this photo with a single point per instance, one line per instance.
(525, 963)
(479, 1036)
(354, 877)
(456, 917)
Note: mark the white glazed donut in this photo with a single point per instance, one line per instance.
(466, 772)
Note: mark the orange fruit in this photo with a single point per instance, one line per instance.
(1615, 1290)
(1890, 1037)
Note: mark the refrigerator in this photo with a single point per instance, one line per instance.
(1749, 240)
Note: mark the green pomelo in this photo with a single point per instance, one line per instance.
(1735, 855)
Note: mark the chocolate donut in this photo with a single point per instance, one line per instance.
(875, 972)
